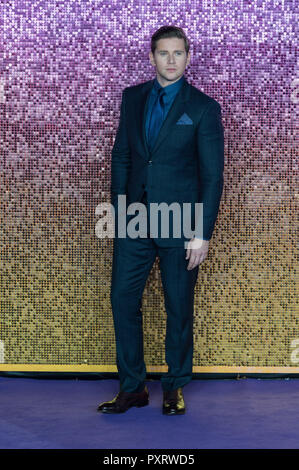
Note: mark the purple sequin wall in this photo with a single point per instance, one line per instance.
(63, 67)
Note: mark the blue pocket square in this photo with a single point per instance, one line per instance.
(184, 119)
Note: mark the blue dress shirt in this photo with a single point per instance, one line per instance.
(171, 92)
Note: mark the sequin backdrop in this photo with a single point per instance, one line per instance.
(63, 67)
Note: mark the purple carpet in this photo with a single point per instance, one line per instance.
(223, 414)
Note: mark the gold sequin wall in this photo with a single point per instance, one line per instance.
(62, 70)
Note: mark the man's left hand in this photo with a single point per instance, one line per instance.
(197, 251)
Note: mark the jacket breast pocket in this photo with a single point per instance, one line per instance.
(183, 126)
(182, 135)
(182, 129)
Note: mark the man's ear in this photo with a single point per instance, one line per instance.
(151, 58)
(188, 58)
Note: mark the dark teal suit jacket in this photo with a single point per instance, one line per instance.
(186, 163)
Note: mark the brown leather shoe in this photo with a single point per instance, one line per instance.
(173, 402)
(123, 401)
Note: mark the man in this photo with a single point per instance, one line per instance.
(168, 148)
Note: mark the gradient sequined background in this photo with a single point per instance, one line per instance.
(63, 67)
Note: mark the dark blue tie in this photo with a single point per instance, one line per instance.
(157, 117)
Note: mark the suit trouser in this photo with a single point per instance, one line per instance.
(132, 262)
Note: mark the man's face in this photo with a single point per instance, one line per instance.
(170, 60)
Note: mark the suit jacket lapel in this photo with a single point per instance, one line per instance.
(176, 110)
(144, 106)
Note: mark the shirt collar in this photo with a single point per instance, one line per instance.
(170, 90)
